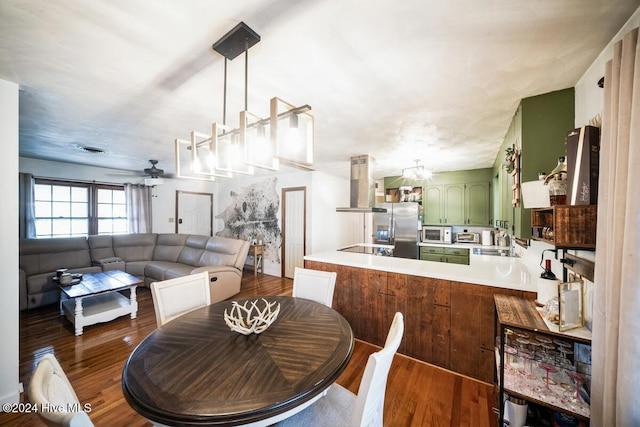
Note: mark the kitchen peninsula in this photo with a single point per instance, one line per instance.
(448, 308)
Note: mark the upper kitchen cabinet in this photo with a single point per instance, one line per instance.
(433, 207)
(458, 198)
(477, 203)
(537, 132)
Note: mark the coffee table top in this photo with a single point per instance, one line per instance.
(97, 283)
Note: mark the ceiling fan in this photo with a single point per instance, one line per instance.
(153, 171)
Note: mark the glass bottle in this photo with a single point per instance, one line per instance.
(558, 190)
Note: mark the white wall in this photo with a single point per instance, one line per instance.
(9, 304)
(163, 206)
(589, 97)
(326, 229)
(330, 229)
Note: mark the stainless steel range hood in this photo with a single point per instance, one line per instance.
(362, 194)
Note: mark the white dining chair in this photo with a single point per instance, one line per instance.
(175, 297)
(315, 285)
(51, 391)
(340, 407)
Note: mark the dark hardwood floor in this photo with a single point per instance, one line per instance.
(418, 394)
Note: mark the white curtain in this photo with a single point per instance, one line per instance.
(26, 208)
(138, 198)
(615, 399)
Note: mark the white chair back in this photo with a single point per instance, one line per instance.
(51, 390)
(315, 285)
(369, 405)
(175, 297)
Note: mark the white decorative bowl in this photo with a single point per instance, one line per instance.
(250, 318)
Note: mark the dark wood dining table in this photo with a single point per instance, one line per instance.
(195, 371)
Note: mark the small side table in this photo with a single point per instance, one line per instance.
(256, 251)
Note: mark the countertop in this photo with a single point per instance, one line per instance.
(488, 270)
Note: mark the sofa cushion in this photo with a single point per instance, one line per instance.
(223, 251)
(169, 246)
(101, 247)
(193, 249)
(163, 270)
(47, 255)
(136, 268)
(134, 247)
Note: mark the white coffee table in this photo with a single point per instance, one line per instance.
(97, 299)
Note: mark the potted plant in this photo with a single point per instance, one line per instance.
(510, 158)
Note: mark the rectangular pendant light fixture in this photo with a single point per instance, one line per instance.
(229, 150)
(259, 149)
(292, 132)
(285, 137)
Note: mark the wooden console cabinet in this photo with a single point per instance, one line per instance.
(567, 356)
(449, 324)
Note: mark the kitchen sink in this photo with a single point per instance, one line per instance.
(495, 251)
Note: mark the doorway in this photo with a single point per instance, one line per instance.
(194, 213)
(294, 229)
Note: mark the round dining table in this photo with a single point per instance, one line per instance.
(195, 371)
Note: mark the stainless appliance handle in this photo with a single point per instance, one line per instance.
(392, 229)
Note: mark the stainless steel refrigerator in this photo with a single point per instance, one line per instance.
(398, 227)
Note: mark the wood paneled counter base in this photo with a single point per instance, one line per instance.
(447, 323)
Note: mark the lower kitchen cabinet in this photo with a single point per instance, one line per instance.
(431, 257)
(442, 254)
(472, 326)
(448, 324)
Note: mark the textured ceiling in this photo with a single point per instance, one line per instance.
(400, 80)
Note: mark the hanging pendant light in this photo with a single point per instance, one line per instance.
(286, 136)
(293, 133)
(417, 172)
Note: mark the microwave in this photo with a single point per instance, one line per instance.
(432, 234)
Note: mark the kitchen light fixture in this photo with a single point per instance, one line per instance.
(416, 172)
(285, 136)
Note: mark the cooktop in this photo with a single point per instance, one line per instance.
(369, 250)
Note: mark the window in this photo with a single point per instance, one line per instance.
(65, 209)
(112, 211)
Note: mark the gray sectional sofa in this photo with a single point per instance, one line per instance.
(151, 257)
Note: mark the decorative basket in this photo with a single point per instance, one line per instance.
(250, 318)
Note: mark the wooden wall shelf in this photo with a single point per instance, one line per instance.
(565, 226)
(583, 267)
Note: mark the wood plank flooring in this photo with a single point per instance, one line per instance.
(417, 394)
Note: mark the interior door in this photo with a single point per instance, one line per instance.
(194, 213)
(294, 229)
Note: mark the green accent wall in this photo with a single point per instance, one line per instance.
(539, 129)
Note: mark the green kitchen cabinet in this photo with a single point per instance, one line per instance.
(453, 259)
(504, 194)
(432, 257)
(454, 204)
(431, 250)
(457, 204)
(452, 255)
(433, 205)
(538, 130)
(453, 197)
(477, 203)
